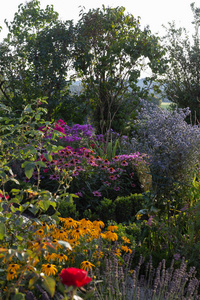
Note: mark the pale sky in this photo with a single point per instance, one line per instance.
(152, 12)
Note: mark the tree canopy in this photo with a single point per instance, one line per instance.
(35, 56)
(106, 49)
(110, 48)
(181, 81)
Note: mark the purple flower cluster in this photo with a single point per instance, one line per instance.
(103, 177)
(77, 132)
(169, 140)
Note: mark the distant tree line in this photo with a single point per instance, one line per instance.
(106, 50)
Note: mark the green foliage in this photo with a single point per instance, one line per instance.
(35, 58)
(127, 207)
(106, 210)
(68, 209)
(109, 47)
(181, 80)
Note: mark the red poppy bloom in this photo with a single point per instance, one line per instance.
(75, 277)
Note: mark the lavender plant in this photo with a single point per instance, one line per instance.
(170, 141)
(123, 283)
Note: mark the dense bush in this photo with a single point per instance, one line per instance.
(171, 143)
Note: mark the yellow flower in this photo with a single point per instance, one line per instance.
(31, 193)
(117, 252)
(49, 269)
(127, 241)
(61, 257)
(111, 235)
(39, 233)
(112, 228)
(77, 233)
(86, 265)
(50, 256)
(56, 244)
(138, 216)
(98, 255)
(60, 234)
(96, 233)
(69, 222)
(86, 223)
(13, 267)
(126, 249)
(11, 275)
(99, 224)
(45, 226)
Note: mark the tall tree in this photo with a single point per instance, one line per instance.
(35, 57)
(109, 56)
(181, 81)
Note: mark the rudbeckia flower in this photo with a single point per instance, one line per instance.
(112, 227)
(126, 240)
(111, 235)
(86, 265)
(126, 249)
(11, 275)
(13, 267)
(61, 257)
(49, 269)
(98, 223)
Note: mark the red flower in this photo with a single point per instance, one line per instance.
(74, 276)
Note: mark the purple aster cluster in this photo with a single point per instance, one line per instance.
(77, 132)
(169, 140)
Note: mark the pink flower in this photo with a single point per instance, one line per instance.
(113, 177)
(61, 122)
(149, 222)
(106, 161)
(79, 194)
(124, 163)
(111, 170)
(6, 197)
(117, 188)
(107, 183)
(54, 177)
(96, 194)
(116, 158)
(75, 174)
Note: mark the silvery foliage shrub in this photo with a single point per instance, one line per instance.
(172, 144)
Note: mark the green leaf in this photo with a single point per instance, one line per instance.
(48, 157)
(49, 285)
(19, 238)
(32, 282)
(28, 109)
(44, 204)
(18, 296)
(41, 164)
(2, 231)
(29, 168)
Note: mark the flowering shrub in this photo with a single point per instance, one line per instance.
(172, 144)
(93, 177)
(47, 248)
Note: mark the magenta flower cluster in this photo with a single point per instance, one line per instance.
(92, 175)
